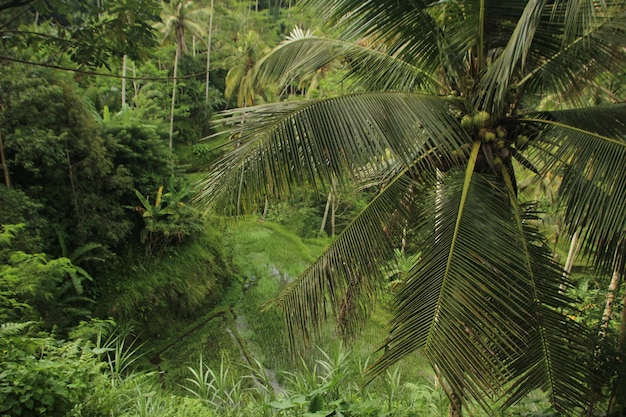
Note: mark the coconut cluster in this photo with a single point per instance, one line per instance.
(481, 123)
(479, 120)
(496, 148)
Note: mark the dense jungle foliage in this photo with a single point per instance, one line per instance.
(220, 208)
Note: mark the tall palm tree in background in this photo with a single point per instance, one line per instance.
(178, 18)
(240, 76)
(443, 125)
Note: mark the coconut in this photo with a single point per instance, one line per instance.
(482, 118)
(521, 141)
(488, 135)
(467, 122)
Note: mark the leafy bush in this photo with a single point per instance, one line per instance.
(17, 208)
(42, 376)
(34, 287)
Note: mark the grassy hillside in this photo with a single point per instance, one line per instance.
(236, 326)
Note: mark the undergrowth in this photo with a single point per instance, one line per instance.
(185, 283)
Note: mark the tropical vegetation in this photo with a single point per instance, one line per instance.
(428, 197)
(444, 121)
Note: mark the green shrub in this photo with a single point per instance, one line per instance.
(35, 287)
(42, 376)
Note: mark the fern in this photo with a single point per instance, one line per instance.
(13, 329)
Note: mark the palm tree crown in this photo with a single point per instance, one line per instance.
(181, 17)
(178, 18)
(444, 122)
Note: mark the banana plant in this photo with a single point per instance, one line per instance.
(148, 210)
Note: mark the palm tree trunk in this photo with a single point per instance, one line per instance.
(5, 168)
(574, 247)
(265, 209)
(455, 409)
(618, 269)
(70, 173)
(323, 226)
(135, 85)
(240, 190)
(124, 81)
(208, 55)
(176, 57)
(618, 392)
(620, 382)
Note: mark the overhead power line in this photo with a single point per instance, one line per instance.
(97, 74)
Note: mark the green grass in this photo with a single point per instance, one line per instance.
(156, 301)
(273, 255)
(257, 246)
(185, 283)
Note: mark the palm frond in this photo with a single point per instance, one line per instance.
(486, 311)
(233, 80)
(407, 29)
(495, 83)
(345, 279)
(387, 17)
(567, 69)
(281, 144)
(372, 65)
(578, 16)
(590, 154)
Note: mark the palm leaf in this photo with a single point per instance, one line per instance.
(408, 30)
(233, 80)
(589, 150)
(309, 142)
(486, 312)
(345, 279)
(567, 68)
(556, 48)
(496, 81)
(372, 65)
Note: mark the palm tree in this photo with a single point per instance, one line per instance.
(240, 77)
(208, 54)
(444, 122)
(178, 18)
